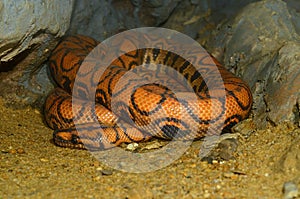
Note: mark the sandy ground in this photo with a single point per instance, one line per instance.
(33, 167)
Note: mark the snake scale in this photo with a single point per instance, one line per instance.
(144, 104)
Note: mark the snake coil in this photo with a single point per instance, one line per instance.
(145, 103)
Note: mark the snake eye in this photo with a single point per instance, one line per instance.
(74, 139)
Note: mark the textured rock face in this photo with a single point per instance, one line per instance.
(283, 85)
(27, 36)
(102, 19)
(23, 21)
(261, 44)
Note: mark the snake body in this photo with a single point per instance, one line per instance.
(180, 118)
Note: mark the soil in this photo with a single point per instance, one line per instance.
(33, 167)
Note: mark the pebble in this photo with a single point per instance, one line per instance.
(153, 145)
(36, 111)
(14, 151)
(96, 178)
(44, 160)
(99, 169)
(228, 174)
(106, 172)
(4, 151)
(132, 146)
(20, 151)
(206, 195)
(215, 162)
(290, 190)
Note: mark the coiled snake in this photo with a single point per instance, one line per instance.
(145, 103)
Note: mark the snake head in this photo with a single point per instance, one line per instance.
(68, 138)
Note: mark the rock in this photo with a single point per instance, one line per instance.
(28, 31)
(283, 85)
(153, 145)
(106, 172)
(102, 19)
(23, 22)
(30, 28)
(262, 46)
(218, 148)
(132, 146)
(289, 162)
(198, 18)
(290, 190)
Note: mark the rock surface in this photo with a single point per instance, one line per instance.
(261, 45)
(23, 22)
(27, 36)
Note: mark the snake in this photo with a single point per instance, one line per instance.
(144, 111)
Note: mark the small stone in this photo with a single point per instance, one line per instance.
(12, 151)
(206, 195)
(96, 178)
(228, 174)
(193, 165)
(290, 190)
(132, 146)
(4, 151)
(36, 111)
(106, 172)
(20, 151)
(154, 145)
(215, 162)
(44, 160)
(99, 169)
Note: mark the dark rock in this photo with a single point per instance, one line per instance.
(262, 46)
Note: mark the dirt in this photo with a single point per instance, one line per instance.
(33, 167)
